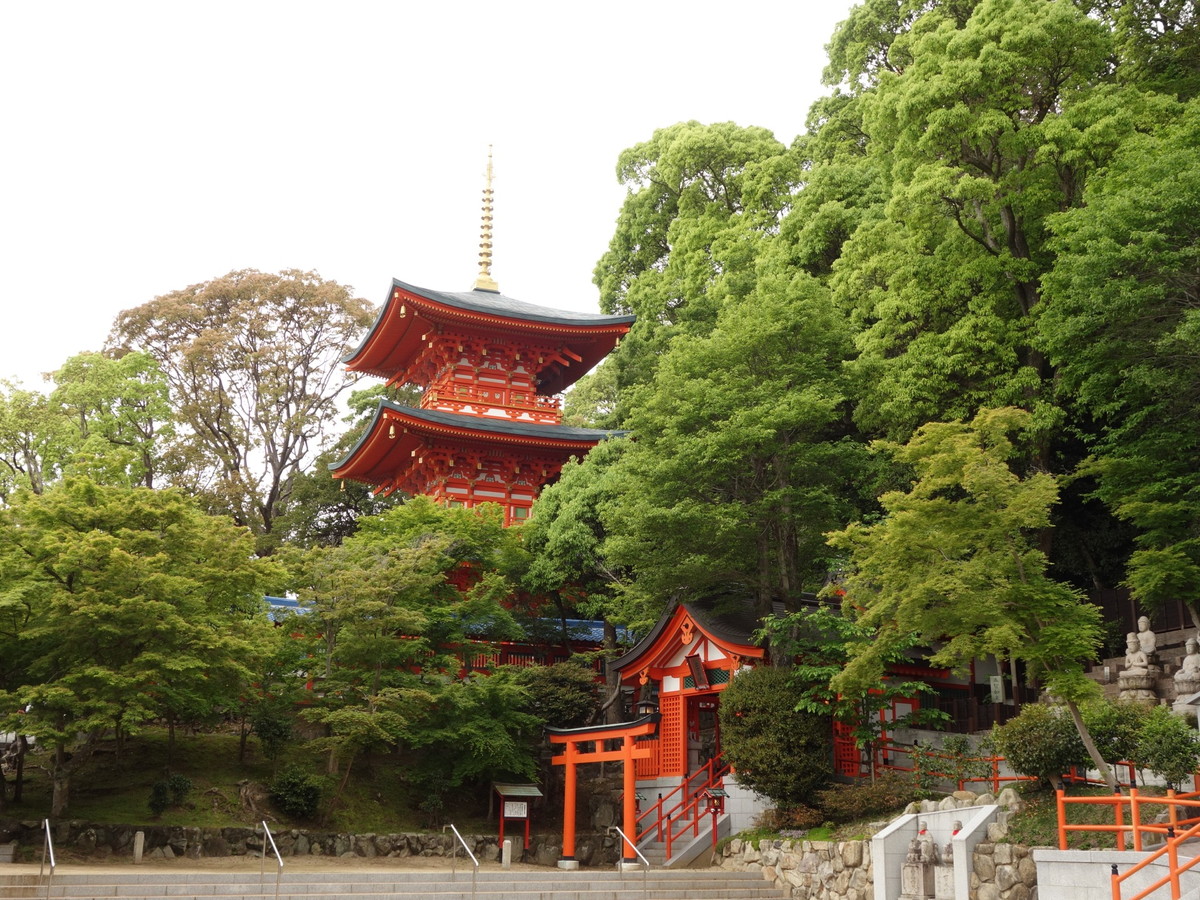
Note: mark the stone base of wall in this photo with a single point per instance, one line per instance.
(162, 842)
(844, 870)
(807, 870)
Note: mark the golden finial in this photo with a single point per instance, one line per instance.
(484, 281)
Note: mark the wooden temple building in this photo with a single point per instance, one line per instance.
(489, 424)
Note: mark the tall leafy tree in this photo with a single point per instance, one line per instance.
(391, 609)
(1122, 326)
(140, 607)
(742, 457)
(115, 417)
(252, 361)
(700, 197)
(954, 563)
(26, 436)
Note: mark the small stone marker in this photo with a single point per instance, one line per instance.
(139, 844)
(506, 854)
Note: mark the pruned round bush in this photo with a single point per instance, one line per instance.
(1167, 746)
(1041, 741)
(777, 752)
(297, 793)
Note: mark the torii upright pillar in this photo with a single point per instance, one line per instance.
(584, 745)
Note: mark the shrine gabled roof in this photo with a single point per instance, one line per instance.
(732, 628)
(377, 455)
(409, 313)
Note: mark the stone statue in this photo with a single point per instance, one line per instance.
(1147, 639)
(929, 850)
(1187, 679)
(1137, 679)
(1136, 661)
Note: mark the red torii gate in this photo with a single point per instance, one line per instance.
(583, 746)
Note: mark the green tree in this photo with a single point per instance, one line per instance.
(955, 564)
(391, 610)
(699, 200)
(141, 608)
(26, 435)
(778, 751)
(252, 362)
(742, 457)
(1121, 325)
(113, 418)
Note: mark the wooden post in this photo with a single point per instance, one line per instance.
(569, 803)
(630, 804)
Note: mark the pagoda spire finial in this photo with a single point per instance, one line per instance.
(484, 280)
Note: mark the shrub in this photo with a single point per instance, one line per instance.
(297, 793)
(179, 786)
(1115, 728)
(160, 797)
(865, 799)
(1167, 745)
(790, 818)
(272, 726)
(1041, 741)
(961, 760)
(777, 751)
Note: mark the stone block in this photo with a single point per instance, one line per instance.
(985, 799)
(1003, 854)
(996, 832)
(984, 867)
(987, 891)
(1011, 800)
(948, 804)
(852, 853)
(1006, 877)
(1027, 870)
(1018, 892)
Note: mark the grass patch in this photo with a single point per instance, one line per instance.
(114, 787)
(1037, 824)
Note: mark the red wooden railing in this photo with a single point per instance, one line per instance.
(681, 804)
(1130, 806)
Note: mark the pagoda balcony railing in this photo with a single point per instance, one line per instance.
(516, 403)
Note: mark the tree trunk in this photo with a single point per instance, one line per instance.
(19, 779)
(243, 733)
(62, 782)
(612, 679)
(1084, 735)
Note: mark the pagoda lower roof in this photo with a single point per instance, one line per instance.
(381, 451)
(410, 314)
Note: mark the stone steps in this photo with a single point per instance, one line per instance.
(377, 884)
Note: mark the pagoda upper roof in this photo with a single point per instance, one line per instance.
(381, 451)
(410, 313)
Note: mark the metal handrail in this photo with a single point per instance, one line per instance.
(454, 858)
(262, 867)
(47, 848)
(621, 858)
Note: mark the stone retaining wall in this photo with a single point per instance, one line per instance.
(844, 870)
(107, 841)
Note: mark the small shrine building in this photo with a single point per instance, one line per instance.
(671, 747)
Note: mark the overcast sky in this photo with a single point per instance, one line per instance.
(149, 146)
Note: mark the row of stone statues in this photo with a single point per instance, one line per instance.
(1137, 680)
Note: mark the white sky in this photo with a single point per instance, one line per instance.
(146, 146)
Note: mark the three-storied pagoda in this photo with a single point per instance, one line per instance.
(489, 425)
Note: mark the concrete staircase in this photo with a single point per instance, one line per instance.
(390, 884)
(687, 849)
